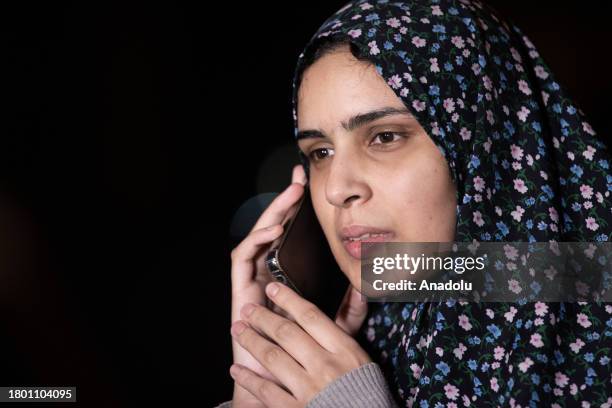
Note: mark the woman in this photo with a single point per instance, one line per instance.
(430, 121)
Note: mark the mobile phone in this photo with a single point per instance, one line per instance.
(302, 259)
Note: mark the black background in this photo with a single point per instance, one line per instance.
(132, 132)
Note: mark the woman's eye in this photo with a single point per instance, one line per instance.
(313, 156)
(317, 155)
(386, 137)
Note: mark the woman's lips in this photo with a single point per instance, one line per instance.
(354, 247)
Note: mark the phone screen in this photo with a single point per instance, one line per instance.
(303, 257)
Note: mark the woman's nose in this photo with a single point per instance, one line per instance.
(346, 181)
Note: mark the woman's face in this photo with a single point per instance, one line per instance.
(378, 170)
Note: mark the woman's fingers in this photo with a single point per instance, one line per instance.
(284, 332)
(299, 175)
(269, 393)
(267, 228)
(279, 207)
(243, 254)
(310, 318)
(277, 210)
(352, 311)
(272, 357)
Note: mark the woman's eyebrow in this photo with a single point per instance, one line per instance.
(357, 121)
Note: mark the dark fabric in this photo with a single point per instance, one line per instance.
(528, 167)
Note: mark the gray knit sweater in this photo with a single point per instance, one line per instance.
(362, 387)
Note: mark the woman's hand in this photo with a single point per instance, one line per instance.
(249, 274)
(305, 354)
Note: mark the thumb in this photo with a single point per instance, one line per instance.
(352, 311)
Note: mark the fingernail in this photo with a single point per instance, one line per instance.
(248, 309)
(355, 296)
(234, 370)
(272, 289)
(237, 328)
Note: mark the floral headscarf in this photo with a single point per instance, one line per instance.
(528, 167)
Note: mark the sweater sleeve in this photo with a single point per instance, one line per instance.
(362, 387)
